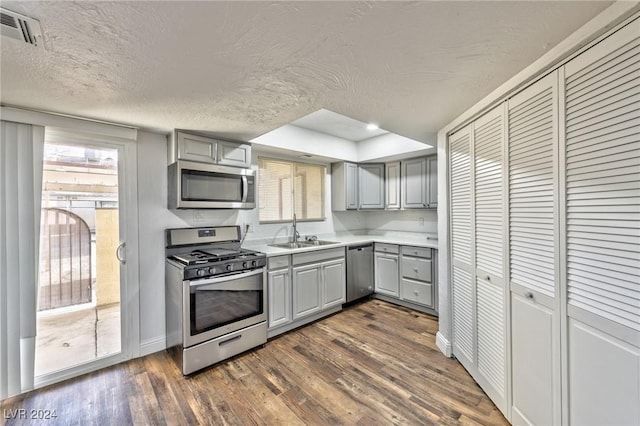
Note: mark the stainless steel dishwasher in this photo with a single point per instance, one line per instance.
(359, 271)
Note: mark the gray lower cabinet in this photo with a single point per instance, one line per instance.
(279, 297)
(279, 289)
(318, 281)
(307, 290)
(335, 285)
(406, 274)
(387, 266)
(417, 284)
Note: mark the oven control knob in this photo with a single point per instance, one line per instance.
(254, 263)
(201, 272)
(229, 267)
(212, 270)
(244, 264)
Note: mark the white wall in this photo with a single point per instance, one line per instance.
(390, 146)
(154, 218)
(415, 220)
(306, 141)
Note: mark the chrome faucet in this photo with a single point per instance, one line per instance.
(296, 235)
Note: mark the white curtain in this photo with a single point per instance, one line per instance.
(21, 151)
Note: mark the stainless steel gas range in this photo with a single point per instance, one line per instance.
(216, 297)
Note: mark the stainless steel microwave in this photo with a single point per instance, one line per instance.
(195, 185)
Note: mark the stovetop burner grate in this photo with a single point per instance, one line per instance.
(212, 255)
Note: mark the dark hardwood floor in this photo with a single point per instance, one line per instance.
(372, 363)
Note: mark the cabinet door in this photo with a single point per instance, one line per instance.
(196, 148)
(351, 186)
(533, 257)
(279, 297)
(432, 182)
(463, 296)
(392, 186)
(387, 274)
(307, 294)
(602, 161)
(414, 179)
(491, 293)
(234, 154)
(371, 184)
(335, 285)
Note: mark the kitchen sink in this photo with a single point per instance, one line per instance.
(300, 244)
(303, 244)
(319, 243)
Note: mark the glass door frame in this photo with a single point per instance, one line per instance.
(129, 278)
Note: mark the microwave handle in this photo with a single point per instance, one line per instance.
(245, 189)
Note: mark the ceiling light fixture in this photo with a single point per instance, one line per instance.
(372, 127)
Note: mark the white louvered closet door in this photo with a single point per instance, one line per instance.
(461, 246)
(533, 254)
(602, 229)
(489, 218)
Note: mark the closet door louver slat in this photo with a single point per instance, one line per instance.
(491, 328)
(459, 147)
(603, 186)
(488, 189)
(531, 192)
(463, 323)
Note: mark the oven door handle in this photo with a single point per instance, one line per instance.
(225, 278)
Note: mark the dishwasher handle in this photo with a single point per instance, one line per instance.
(361, 248)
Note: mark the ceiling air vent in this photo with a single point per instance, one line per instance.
(21, 27)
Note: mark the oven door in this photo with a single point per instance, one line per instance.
(217, 306)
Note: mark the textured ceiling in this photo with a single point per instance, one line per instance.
(240, 69)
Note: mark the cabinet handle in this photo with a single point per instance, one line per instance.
(528, 295)
(488, 278)
(416, 293)
(415, 270)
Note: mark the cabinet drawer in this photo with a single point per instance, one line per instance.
(278, 262)
(317, 256)
(416, 268)
(416, 251)
(417, 292)
(387, 248)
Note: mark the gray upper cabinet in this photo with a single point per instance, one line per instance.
(371, 186)
(203, 149)
(196, 148)
(432, 182)
(419, 183)
(414, 190)
(392, 186)
(234, 154)
(344, 186)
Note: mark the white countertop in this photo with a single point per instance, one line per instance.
(343, 239)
